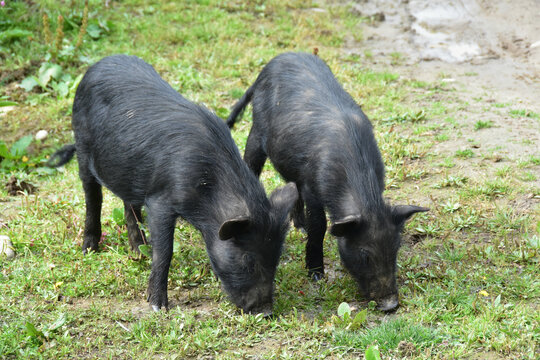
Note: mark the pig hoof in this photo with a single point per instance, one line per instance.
(88, 250)
(157, 302)
(316, 276)
(268, 316)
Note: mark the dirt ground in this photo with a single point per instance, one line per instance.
(487, 50)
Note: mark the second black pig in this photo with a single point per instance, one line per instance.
(318, 137)
(151, 147)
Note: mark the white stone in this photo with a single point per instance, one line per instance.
(6, 247)
(41, 134)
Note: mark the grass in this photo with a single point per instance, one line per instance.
(480, 124)
(468, 269)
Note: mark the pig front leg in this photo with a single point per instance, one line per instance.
(315, 227)
(161, 222)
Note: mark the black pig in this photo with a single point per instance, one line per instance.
(151, 147)
(318, 137)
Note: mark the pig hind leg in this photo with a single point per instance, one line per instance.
(93, 197)
(316, 227)
(133, 217)
(255, 155)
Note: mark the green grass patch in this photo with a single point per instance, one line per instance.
(516, 113)
(480, 124)
(467, 270)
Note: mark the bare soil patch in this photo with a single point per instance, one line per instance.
(487, 51)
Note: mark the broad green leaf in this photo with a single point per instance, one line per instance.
(62, 89)
(359, 320)
(13, 34)
(7, 103)
(75, 83)
(59, 322)
(29, 83)
(48, 71)
(72, 24)
(146, 250)
(118, 216)
(43, 170)
(8, 164)
(343, 309)
(33, 332)
(372, 353)
(94, 31)
(4, 151)
(19, 148)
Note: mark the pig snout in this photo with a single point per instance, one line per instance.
(388, 303)
(258, 301)
(265, 310)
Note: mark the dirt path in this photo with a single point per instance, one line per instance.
(488, 51)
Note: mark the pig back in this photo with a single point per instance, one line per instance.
(316, 132)
(140, 136)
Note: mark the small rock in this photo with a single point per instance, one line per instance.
(41, 134)
(535, 44)
(6, 247)
(378, 17)
(5, 109)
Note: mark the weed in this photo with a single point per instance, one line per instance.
(18, 158)
(396, 58)
(529, 176)
(503, 171)
(52, 79)
(515, 113)
(491, 188)
(464, 154)
(450, 206)
(452, 181)
(448, 162)
(442, 137)
(372, 353)
(480, 124)
(5, 102)
(345, 319)
(413, 117)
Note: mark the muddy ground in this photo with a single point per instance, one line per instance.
(488, 51)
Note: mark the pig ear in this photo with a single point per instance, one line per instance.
(231, 228)
(346, 225)
(282, 201)
(402, 212)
